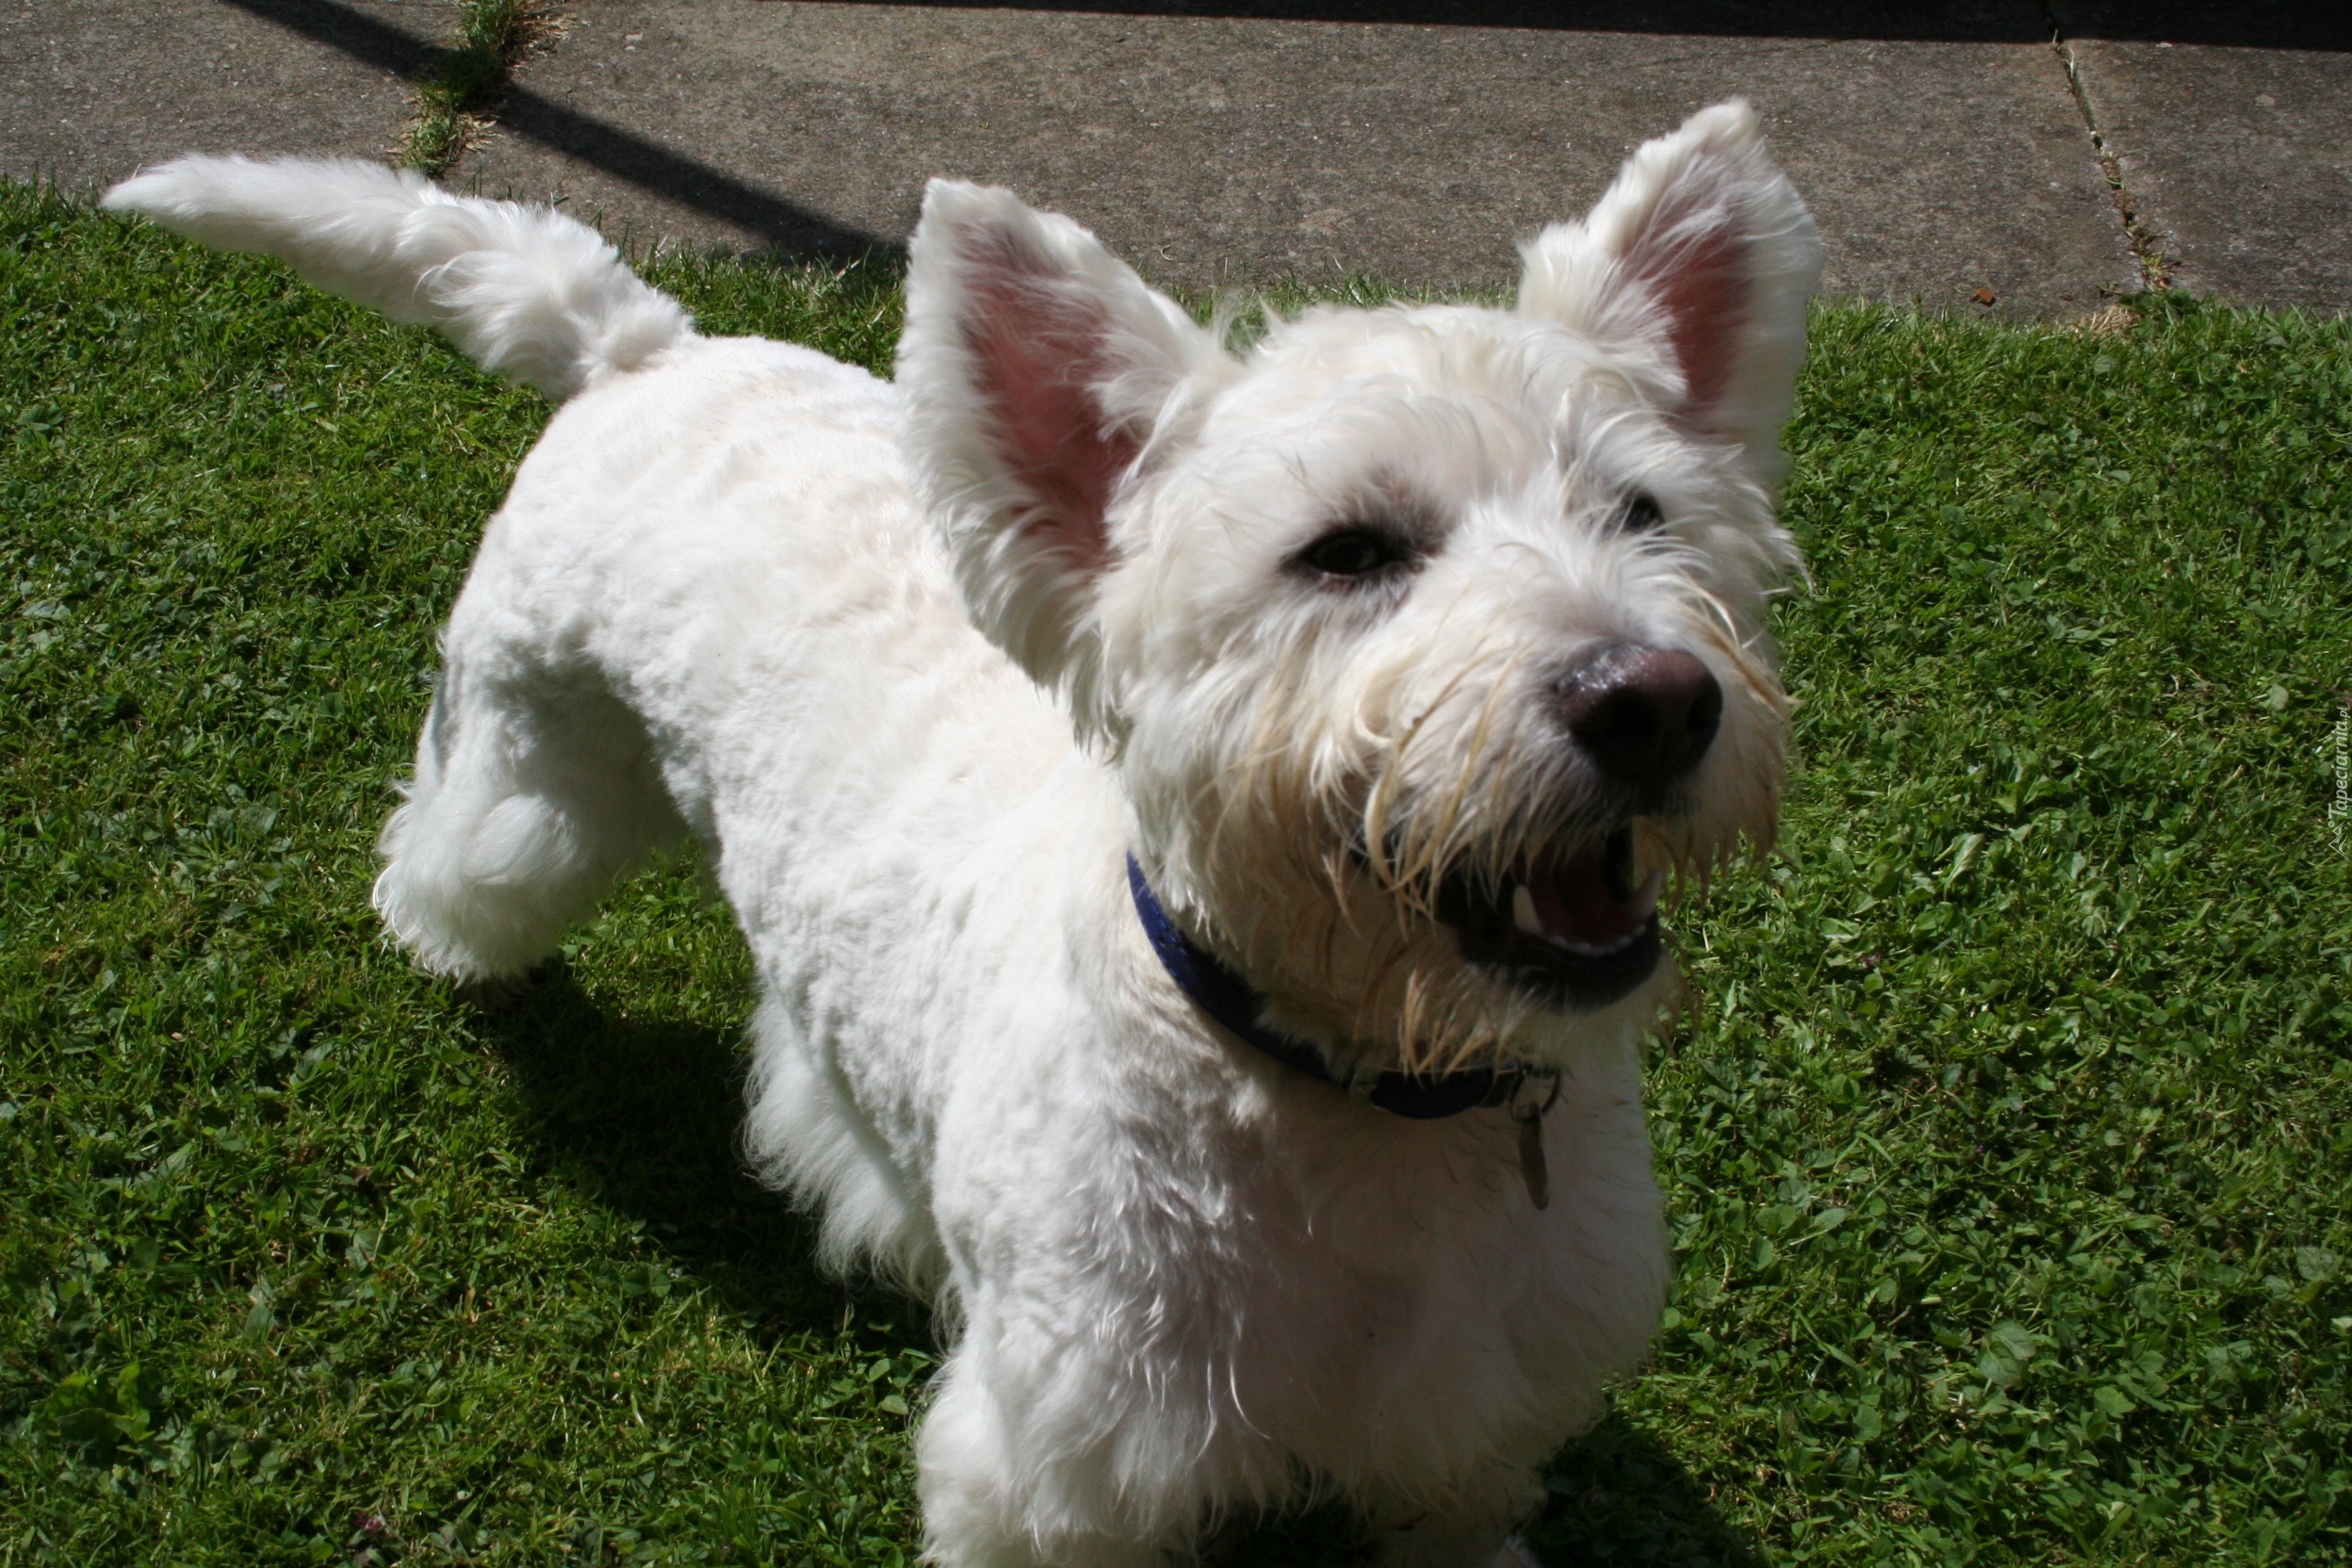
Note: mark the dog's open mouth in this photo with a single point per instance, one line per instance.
(1573, 927)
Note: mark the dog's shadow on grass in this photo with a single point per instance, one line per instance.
(644, 1115)
(1619, 1495)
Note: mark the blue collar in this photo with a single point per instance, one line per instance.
(1227, 998)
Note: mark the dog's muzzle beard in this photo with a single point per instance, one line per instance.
(1574, 923)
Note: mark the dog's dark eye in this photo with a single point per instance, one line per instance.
(1641, 515)
(1357, 551)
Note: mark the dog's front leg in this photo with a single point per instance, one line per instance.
(998, 1492)
(1472, 1527)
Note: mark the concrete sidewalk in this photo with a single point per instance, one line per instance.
(1956, 155)
(89, 90)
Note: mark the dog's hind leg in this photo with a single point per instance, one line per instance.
(532, 798)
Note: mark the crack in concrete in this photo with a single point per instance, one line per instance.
(2147, 253)
(454, 102)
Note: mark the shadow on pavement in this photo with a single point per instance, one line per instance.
(355, 33)
(789, 231)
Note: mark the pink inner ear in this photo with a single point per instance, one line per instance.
(1705, 291)
(1037, 350)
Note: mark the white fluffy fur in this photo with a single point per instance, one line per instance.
(820, 621)
(524, 292)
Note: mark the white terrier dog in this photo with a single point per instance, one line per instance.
(1198, 816)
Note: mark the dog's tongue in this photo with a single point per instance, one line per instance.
(1572, 903)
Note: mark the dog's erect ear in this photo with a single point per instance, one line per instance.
(1702, 253)
(1037, 368)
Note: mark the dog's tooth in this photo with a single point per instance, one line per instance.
(1603, 950)
(1645, 898)
(1522, 911)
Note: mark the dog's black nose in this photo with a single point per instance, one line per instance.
(1644, 715)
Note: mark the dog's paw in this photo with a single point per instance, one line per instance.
(497, 998)
(1517, 1553)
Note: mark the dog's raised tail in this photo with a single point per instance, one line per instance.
(523, 292)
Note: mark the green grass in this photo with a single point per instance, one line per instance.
(453, 103)
(2007, 1138)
